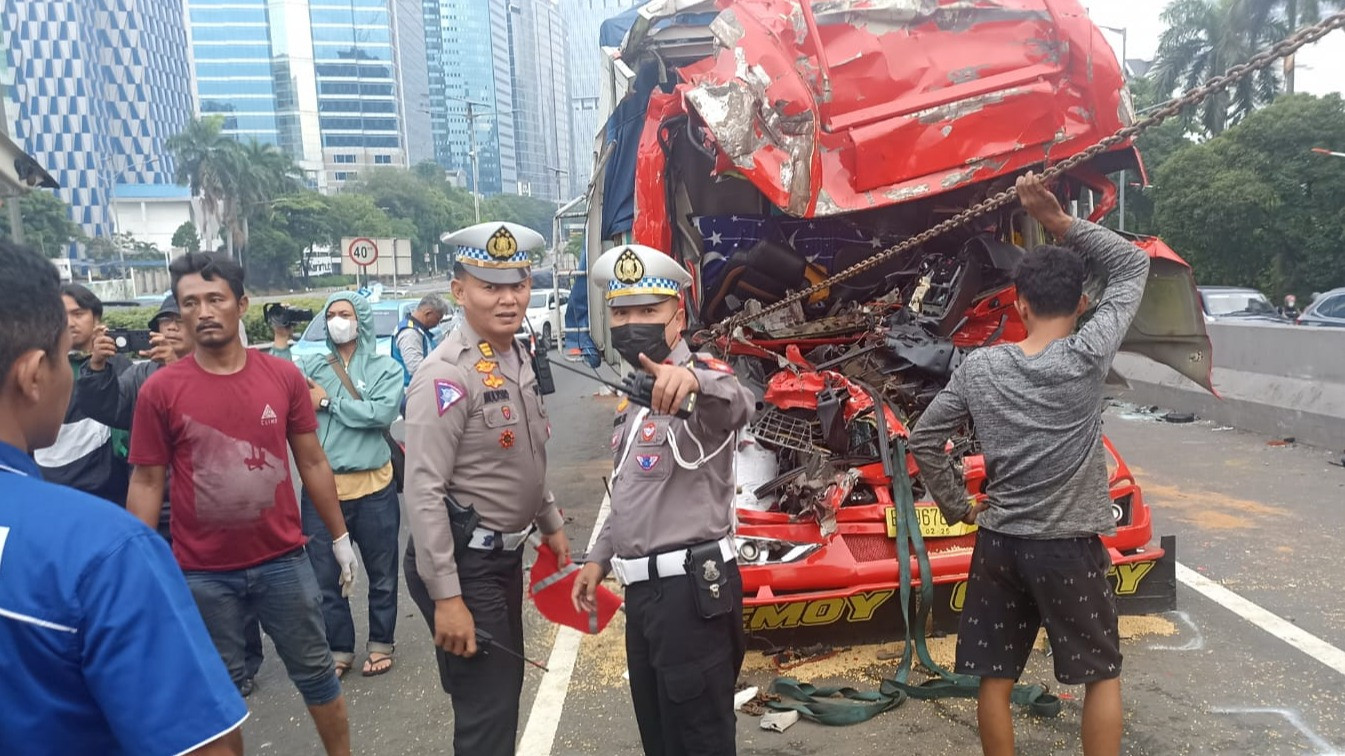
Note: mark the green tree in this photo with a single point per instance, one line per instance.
(259, 174)
(272, 252)
(1203, 39)
(185, 237)
(46, 222)
(417, 199)
(1255, 207)
(204, 160)
(1156, 146)
(536, 214)
(350, 214)
(305, 217)
(1292, 13)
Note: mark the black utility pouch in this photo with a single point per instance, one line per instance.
(463, 521)
(710, 580)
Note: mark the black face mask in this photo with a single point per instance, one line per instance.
(633, 339)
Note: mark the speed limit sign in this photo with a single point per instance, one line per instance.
(362, 251)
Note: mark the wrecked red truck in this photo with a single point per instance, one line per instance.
(768, 144)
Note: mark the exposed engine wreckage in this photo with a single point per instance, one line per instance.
(771, 144)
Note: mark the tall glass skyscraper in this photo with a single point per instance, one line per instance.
(318, 78)
(582, 20)
(541, 101)
(254, 66)
(471, 90)
(97, 87)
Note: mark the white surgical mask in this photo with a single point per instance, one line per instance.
(341, 330)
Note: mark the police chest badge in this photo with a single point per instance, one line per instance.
(493, 381)
(507, 440)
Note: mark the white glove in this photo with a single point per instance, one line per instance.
(345, 557)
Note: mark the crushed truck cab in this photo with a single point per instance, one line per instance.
(767, 145)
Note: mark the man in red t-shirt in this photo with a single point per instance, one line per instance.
(222, 418)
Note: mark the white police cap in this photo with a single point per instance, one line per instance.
(634, 274)
(497, 251)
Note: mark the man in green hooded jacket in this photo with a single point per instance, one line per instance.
(356, 393)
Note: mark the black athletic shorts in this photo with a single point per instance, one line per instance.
(1016, 585)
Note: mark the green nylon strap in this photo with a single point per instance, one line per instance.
(822, 705)
(832, 706)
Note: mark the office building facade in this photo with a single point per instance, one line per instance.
(333, 83)
(471, 92)
(582, 20)
(96, 88)
(541, 100)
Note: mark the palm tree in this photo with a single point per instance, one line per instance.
(1293, 13)
(1204, 38)
(260, 174)
(203, 160)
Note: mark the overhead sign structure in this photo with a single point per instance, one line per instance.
(363, 252)
(361, 255)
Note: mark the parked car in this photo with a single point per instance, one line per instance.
(546, 313)
(1326, 310)
(387, 315)
(1237, 303)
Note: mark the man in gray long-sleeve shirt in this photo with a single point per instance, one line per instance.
(1036, 406)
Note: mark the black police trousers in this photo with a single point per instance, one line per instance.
(683, 667)
(485, 716)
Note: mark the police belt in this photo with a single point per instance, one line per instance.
(667, 564)
(490, 540)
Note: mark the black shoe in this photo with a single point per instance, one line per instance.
(245, 689)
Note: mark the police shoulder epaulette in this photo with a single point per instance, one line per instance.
(706, 362)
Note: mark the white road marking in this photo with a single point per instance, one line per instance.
(1322, 746)
(1277, 626)
(544, 718)
(1197, 643)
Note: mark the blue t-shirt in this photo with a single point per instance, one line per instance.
(104, 650)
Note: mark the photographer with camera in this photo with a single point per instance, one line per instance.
(283, 319)
(88, 455)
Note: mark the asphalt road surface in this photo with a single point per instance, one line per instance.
(1251, 663)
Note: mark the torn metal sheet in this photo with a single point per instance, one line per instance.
(881, 103)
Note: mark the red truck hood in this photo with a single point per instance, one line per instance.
(908, 98)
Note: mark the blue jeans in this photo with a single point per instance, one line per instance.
(284, 595)
(373, 522)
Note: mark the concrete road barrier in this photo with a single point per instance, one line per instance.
(1279, 381)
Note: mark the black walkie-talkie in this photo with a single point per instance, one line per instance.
(541, 366)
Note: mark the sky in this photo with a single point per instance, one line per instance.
(1320, 67)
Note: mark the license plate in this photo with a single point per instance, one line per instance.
(931, 523)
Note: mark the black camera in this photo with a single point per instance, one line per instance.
(280, 315)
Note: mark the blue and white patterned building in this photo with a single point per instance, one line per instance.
(98, 86)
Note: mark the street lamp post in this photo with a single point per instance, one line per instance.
(472, 115)
(1125, 76)
(112, 213)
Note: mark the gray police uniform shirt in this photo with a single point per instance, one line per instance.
(657, 505)
(475, 428)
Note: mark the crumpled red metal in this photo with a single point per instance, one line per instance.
(872, 103)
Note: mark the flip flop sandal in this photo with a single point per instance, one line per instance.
(370, 665)
(342, 667)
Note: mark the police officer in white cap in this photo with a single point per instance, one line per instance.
(669, 535)
(476, 434)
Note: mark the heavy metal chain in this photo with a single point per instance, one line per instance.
(1261, 60)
